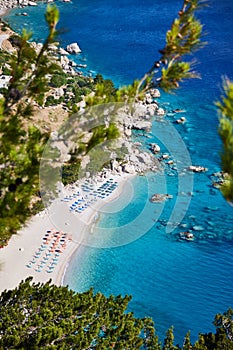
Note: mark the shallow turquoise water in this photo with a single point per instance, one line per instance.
(179, 283)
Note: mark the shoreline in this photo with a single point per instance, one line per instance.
(93, 219)
(23, 247)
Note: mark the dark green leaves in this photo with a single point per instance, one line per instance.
(36, 316)
(225, 109)
(22, 143)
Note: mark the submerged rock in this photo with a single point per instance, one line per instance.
(159, 197)
(198, 228)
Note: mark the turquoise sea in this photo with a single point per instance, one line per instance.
(177, 283)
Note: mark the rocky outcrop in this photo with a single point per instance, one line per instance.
(73, 48)
(197, 168)
(135, 159)
(154, 148)
(9, 4)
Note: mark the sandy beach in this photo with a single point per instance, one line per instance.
(44, 247)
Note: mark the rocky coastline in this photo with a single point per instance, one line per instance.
(136, 160)
(9, 4)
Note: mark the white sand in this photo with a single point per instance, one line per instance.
(22, 247)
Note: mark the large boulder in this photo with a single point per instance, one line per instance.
(73, 48)
(154, 148)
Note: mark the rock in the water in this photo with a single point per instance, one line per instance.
(155, 148)
(142, 125)
(158, 197)
(73, 48)
(182, 120)
(186, 235)
(160, 111)
(197, 168)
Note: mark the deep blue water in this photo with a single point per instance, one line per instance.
(177, 283)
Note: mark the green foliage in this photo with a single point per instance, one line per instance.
(52, 17)
(52, 101)
(21, 148)
(183, 38)
(58, 80)
(22, 143)
(225, 109)
(70, 172)
(223, 338)
(175, 71)
(37, 207)
(168, 341)
(38, 316)
(105, 91)
(102, 133)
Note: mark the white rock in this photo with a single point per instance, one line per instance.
(151, 109)
(128, 132)
(160, 111)
(155, 93)
(142, 125)
(59, 92)
(129, 169)
(73, 48)
(182, 120)
(197, 168)
(81, 104)
(154, 147)
(61, 51)
(32, 3)
(52, 47)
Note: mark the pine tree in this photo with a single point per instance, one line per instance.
(225, 109)
(38, 316)
(22, 143)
